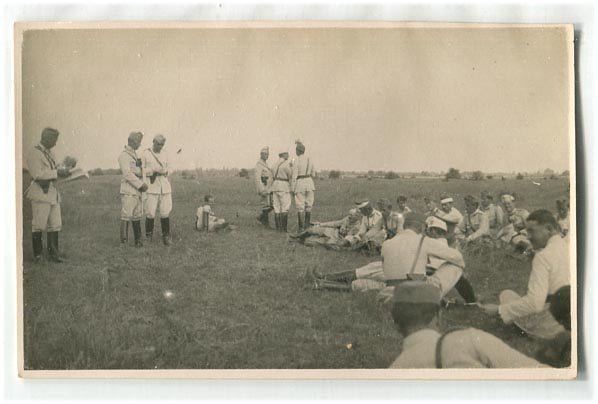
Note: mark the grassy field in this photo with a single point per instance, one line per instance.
(239, 298)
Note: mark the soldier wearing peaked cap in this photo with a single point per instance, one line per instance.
(263, 182)
(415, 308)
(302, 186)
(159, 191)
(44, 197)
(281, 190)
(132, 186)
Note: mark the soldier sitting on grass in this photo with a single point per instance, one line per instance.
(206, 220)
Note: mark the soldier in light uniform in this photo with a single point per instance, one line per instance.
(263, 181)
(44, 197)
(402, 208)
(474, 225)
(131, 188)
(494, 212)
(451, 216)
(335, 234)
(371, 233)
(281, 190)
(302, 186)
(392, 221)
(513, 230)
(159, 191)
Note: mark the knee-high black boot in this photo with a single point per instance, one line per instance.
(465, 290)
(149, 228)
(284, 221)
(341, 276)
(277, 221)
(307, 220)
(53, 249)
(300, 222)
(165, 224)
(38, 247)
(124, 231)
(136, 224)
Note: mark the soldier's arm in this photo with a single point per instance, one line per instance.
(483, 229)
(259, 185)
(128, 175)
(494, 353)
(38, 169)
(436, 248)
(500, 216)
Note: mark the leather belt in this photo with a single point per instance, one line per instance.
(281, 179)
(303, 176)
(395, 282)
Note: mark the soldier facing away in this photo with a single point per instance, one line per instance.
(263, 182)
(302, 186)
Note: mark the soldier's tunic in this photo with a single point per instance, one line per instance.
(514, 226)
(495, 216)
(205, 219)
(550, 272)
(281, 189)
(44, 197)
(159, 192)
(473, 226)
(469, 348)
(371, 228)
(131, 181)
(302, 183)
(263, 181)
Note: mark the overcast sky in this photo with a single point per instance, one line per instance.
(360, 99)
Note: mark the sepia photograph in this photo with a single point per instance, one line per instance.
(296, 199)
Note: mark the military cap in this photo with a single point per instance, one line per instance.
(362, 204)
(446, 199)
(414, 217)
(265, 150)
(135, 135)
(470, 199)
(434, 221)
(507, 198)
(49, 132)
(416, 292)
(299, 145)
(159, 137)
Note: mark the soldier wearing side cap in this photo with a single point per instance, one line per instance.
(281, 190)
(159, 191)
(415, 309)
(132, 186)
(44, 196)
(263, 182)
(302, 186)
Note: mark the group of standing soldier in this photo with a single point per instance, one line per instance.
(277, 184)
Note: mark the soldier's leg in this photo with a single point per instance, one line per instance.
(309, 203)
(128, 204)
(54, 227)
(464, 288)
(165, 209)
(540, 325)
(277, 207)
(150, 207)
(286, 205)
(300, 206)
(136, 222)
(445, 277)
(39, 223)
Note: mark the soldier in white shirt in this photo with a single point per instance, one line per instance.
(302, 186)
(402, 208)
(159, 191)
(415, 308)
(371, 234)
(44, 197)
(132, 186)
(550, 272)
(263, 181)
(450, 215)
(281, 190)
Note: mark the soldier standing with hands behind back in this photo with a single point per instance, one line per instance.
(131, 188)
(44, 197)
(263, 181)
(302, 185)
(159, 191)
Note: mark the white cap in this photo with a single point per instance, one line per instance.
(446, 200)
(363, 204)
(433, 221)
(507, 197)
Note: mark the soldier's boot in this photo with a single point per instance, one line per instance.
(284, 219)
(265, 217)
(307, 223)
(300, 222)
(38, 246)
(277, 221)
(341, 276)
(53, 250)
(321, 284)
(136, 224)
(149, 228)
(465, 290)
(165, 225)
(301, 236)
(124, 231)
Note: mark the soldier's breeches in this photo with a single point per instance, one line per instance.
(369, 277)
(304, 201)
(131, 207)
(282, 201)
(46, 216)
(157, 203)
(445, 277)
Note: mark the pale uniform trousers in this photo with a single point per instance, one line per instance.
(474, 226)
(550, 272)
(281, 189)
(372, 228)
(399, 255)
(514, 227)
(213, 221)
(158, 194)
(130, 181)
(302, 183)
(467, 348)
(445, 274)
(334, 231)
(263, 190)
(46, 215)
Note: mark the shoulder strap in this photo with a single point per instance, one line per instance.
(47, 156)
(307, 167)
(277, 168)
(419, 248)
(152, 152)
(439, 347)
